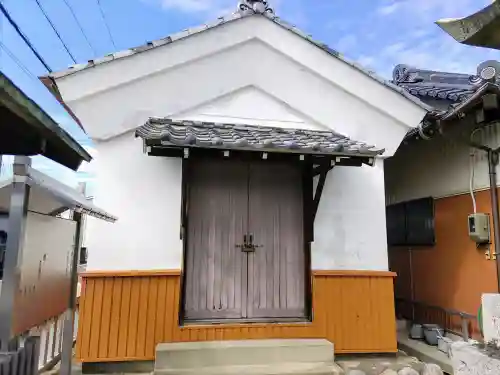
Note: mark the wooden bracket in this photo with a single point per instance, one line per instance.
(323, 172)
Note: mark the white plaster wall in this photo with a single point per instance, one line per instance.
(438, 168)
(170, 93)
(252, 106)
(144, 192)
(213, 76)
(350, 230)
(223, 60)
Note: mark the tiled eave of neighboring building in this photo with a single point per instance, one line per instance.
(448, 92)
(209, 135)
(422, 83)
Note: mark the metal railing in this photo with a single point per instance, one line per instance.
(453, 321)
(23, 360)
(26, 358)
(51, 339)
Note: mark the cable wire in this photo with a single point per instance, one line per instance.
(17, 61)
(55, 30)
(24, 37)
(106, 23)
(80, 26)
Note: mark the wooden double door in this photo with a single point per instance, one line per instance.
(245, 257)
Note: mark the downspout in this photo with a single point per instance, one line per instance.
(492, 164)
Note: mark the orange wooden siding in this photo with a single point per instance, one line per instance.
(123, 317)
(454, 273)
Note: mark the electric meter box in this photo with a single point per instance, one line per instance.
(479, 227)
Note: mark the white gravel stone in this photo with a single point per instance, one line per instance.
(408, 371)
(432, 369)
(389, 372)
(356, 372)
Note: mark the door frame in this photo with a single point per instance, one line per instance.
(307, 190)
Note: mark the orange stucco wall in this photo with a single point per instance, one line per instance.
(123, 315)
(454, 273)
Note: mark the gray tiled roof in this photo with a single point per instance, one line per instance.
(231, 18)
(183, 133)
(449, 93)
(452, 87)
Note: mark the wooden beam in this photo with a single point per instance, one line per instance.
(319, 190)
(320, 168)
(308, 198)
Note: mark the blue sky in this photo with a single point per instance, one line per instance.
(376, 33)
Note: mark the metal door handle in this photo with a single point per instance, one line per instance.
(244, 246)
(252, 245)
(248, 246)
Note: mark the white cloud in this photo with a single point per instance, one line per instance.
(410, 36)
(292, 10)
(194, 6)
(207, 8)
(388, 9)
(346, 43)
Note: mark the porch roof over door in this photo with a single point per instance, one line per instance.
(181, 134)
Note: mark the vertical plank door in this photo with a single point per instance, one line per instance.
(215, 269)
(276, 271)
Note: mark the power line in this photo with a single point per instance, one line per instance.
(55, 30)
(24, 37)
(80, 26)
(17, 61)
(106, 23)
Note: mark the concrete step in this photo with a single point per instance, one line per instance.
(187, 355)
(300, 368)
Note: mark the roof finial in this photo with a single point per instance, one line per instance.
(254, 6)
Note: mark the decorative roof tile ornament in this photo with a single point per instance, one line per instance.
(453, 87)
(254, 6)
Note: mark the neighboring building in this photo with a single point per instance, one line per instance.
(479, 29)
(223, 230)
(454, 272)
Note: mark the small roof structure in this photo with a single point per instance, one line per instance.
(481, 29)
(170, 133)
(49, 196)
(26, 129)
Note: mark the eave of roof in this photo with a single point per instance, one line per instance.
(461, 90)
(471, 101)
(428, 126)
(197, 134)
(227, 19)
(435, 84)
(479, 29)
(27, 120)
(63, 195)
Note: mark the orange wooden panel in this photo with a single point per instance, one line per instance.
(454, 261)
(124, 317)
(135, 293)
(172, 307)
(114, 328)
(83, 321)
(96, 314)
(142, 316)
(105, 328)
(151, 316)
(160, 310)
